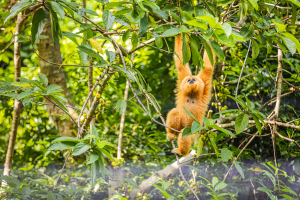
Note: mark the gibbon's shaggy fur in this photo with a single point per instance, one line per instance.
(193, 94)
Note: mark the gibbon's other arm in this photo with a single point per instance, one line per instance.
(182, 70)
(206, 76)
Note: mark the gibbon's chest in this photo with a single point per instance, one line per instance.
(193, 106)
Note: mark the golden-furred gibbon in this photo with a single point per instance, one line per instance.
(193, 93)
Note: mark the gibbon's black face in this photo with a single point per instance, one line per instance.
(191, 81)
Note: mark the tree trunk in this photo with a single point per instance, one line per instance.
(51, 53)
(18, 104)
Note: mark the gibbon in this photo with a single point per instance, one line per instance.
(193, 93)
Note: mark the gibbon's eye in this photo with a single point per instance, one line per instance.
(187, 100)
(193, 79)
(192, 101)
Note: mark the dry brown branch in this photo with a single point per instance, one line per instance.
(266, 121)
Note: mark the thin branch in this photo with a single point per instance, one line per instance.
(286, 138)
(237, 87)
(280, 7)
(3, 50)
(142, 45)
(265, 121)
(61, 170)
(271, 101)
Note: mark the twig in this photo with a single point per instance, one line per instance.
(61, 170)
(269, 4)
(50, 104)
(271, 101)
(3, 50)
(286, 138)
(266, 121)
(237, 87)
(182, 173)
(141, 45)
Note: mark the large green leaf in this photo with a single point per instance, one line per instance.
(18, 7)
(222, 130)
(39, 21)
(171, 32)
(197, 24)
(93, 157)
(186, 132)
(212, 140)
(43, 78)
(255, 49)
(241, 123)
(227, 29)
(108, 19)
(122, 19)
(65, 139)
(80, 148)
(238, 167)
(62, 146)
(210, 20)
(195, 52)
(226, 154)
(208, 50)
(143, 26)
(217, 49)
(190, 114)
(186, 52)
(121, 106)
(247, 31)
(58, 8)
(90, 52)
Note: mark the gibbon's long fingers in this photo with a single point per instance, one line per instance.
(183, 70)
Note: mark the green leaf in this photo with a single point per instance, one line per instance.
(90, 52)
(292, 37)
(110, 55)
(134, 40)
(241, 123)
(39, 21)
(197, 24)
(126, 35)
(247, 31)
(43, 78)
(159, 42)
(126, 73)
(82, 10)
(18, 7)
(199, 146)
(212, 140)
(217, 49)
(95, 131)
(62, 146)
(255, 49)
(227, 29)
(222, 130)
(53, 89)
(190, 114)
(161, 13)
(122, 19)
(184, 29)
(108, 154)
(238, 167)
(143, 25)
(58, 8)
(121, 106)
(22, 95)
(50, 196)
(289, 44)
(208, 50)
(186, 132)
(212, 22)
(195, 51)
(93, 157)
(59, 103)
(94, 170)
(214, 181)
(130, 181)
(186, 53)
(239, 102)
(56, 32)
(220, 186)
(108, 19)
(280, 27)
(171, 32)
(66, 139)
(80, 148)
(226, 154)
(258, 125)
(176, 17)
(238, 37)
(254, 4)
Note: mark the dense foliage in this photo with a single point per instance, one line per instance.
(247, 37)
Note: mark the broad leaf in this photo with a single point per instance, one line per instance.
(241, 123)
(108, 19)
(39, 21)
(80, 148)
(171, 32)
(62, 146)
(226, 154)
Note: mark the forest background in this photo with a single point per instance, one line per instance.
(55, 143)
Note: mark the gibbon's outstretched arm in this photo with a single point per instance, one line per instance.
(206, 76)
(182, 70)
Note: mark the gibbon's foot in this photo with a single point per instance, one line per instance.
(170, 136)
(176, 151)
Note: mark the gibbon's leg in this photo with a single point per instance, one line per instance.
(183, 70)
(206, 76)
(173, 121)
(184, 145)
